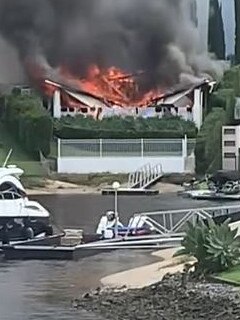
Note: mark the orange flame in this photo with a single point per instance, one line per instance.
(112, 85)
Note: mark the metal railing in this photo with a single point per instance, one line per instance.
(174, 221)
(168, 228)
(145, 176)
(125, 148)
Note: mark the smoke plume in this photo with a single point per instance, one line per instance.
(156, 36)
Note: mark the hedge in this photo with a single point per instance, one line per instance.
(119, 128)
(30, 123)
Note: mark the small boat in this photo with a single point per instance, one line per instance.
(72, 247)
(20, 218)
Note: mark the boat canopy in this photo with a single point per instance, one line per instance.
(10, 171)
(10, 176)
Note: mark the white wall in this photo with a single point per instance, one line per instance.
(198, 108)
(118, 164)
(230, 163)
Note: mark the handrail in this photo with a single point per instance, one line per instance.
(167, 224)
(7, 158)
(144, 176)
(152, 213)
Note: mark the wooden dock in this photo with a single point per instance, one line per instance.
(130, 191)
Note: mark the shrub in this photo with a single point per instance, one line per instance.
(209, 142)
(231, 80)
(216, 247)
(124, 128)
(30, 123)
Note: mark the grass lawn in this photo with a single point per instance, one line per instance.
(231, 276)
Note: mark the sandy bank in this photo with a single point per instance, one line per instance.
(147, 275)
(60, 187)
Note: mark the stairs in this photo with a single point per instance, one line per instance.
(145, 177)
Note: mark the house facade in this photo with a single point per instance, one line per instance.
(188, 103)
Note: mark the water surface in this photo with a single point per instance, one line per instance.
(43, 290)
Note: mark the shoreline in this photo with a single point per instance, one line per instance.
(53, 187)
(150, 274)
(172, 298)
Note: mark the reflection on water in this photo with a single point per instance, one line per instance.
(34, 290)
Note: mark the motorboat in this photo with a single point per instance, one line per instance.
(20, 218)
(222, 185)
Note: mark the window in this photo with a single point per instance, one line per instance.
(229, 143)
(8, 196)
(84, 110)
(229, 131)
(6, 186)
(16, 196)
(229, 155)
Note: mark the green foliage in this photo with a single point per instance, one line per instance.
(221, 109)
(216, 38)
(215, 247)
(231, 80)
(209, 142)
(30, 123)
(217, 100)
(127, 128)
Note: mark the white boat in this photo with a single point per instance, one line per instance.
(20, 218)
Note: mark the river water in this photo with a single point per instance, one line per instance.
(37, 290)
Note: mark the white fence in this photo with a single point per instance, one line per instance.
(116, 156)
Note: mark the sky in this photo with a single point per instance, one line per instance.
(228, 19)
(229, 24)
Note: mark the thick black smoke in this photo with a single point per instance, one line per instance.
(151, 35)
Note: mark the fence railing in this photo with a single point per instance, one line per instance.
(125, 148)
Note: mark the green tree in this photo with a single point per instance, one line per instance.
(237, 32)
(216, 37)
(209, 140)
(29, 122)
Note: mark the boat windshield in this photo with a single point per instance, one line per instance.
(9, 191)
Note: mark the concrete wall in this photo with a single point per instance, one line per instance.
(230, 163)
(118, 164)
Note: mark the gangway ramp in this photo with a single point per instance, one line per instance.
(173, 222)
(145, 177)
(140, 181)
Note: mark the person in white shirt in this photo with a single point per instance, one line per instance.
(107, 224)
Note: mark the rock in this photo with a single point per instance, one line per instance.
(97, 291)
(167, 300)
(86, 295)
(75, 303)
(106, 303)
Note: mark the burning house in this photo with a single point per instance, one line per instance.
(104, 58)
(115, 93)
